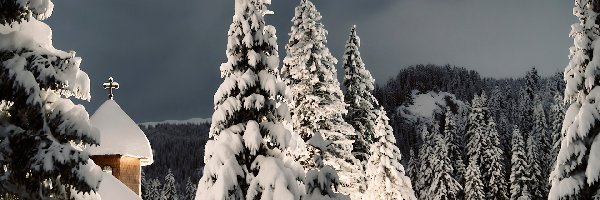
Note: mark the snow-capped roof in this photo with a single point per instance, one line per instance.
(119, 134)
(111, 188)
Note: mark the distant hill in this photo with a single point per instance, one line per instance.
(178, 122)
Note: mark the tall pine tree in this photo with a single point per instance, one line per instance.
(317, 103)
(473, 184)
(519, 167)
(362, 105)
(385, 174)
(169, 190)
(484, 146)
(454, 151)
(41, 129)
(244, 156)
(577, 170)
(443, 186)
(539, 153)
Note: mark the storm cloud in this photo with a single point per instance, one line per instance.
(166, 54)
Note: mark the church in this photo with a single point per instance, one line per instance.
(123, 150)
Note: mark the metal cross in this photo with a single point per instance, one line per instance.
(110, 85)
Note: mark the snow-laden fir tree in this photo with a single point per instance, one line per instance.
(154, 190)
(413, 168)
(42, 130)
(244, 156)
(169, 190)
(577, 169)
(443, 186)
(484, 146)
(190, 190)
(519, 167)
(535, 181)
(473, 184)
(317, 103)
(362, 105)
(557, 115)
(385, 174)
(425, 170)
(454, 151)
(539, 153)
(494, 183)
(322, 181)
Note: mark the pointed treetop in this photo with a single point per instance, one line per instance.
(110, 85)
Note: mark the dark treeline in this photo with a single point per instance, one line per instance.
(504, 97)
(179, 148)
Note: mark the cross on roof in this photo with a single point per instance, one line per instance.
(110, 85)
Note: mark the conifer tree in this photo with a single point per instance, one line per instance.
(519, 167)
(413, 169)
(473, 184)
(443, 186)
(539, 153)
(190, 190)
(454, 152)
(577, 169)
(491, 163)
(385, 174)
(321, 181)
(535, 172)
(154, 190)
(483, 146)
(169, 190)
(362, 105)
(244, 156)
(557, 115)
(41, 129)
(317, 103)
(425, 173)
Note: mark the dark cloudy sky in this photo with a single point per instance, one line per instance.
(166, 54)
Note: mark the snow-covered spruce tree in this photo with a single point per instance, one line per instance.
(385, 174)
(317, 103)
(473, 184)
(577, 169)
(362, 105)
(483, 146)
(443, 186)
(494, 183)
(557, 115)
(154, 190)
(190, 190)
(169, 190)
(413, 168)
(244, 156)
(519, 167)
(535, 181)
(41, 128)
(321, 181)
(454, 152)
(425, 171)
(540, 153)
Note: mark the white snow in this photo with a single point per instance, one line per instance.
(113, 189)
(119, 134)
(178, 122)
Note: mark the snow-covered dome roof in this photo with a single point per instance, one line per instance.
(119, 134)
